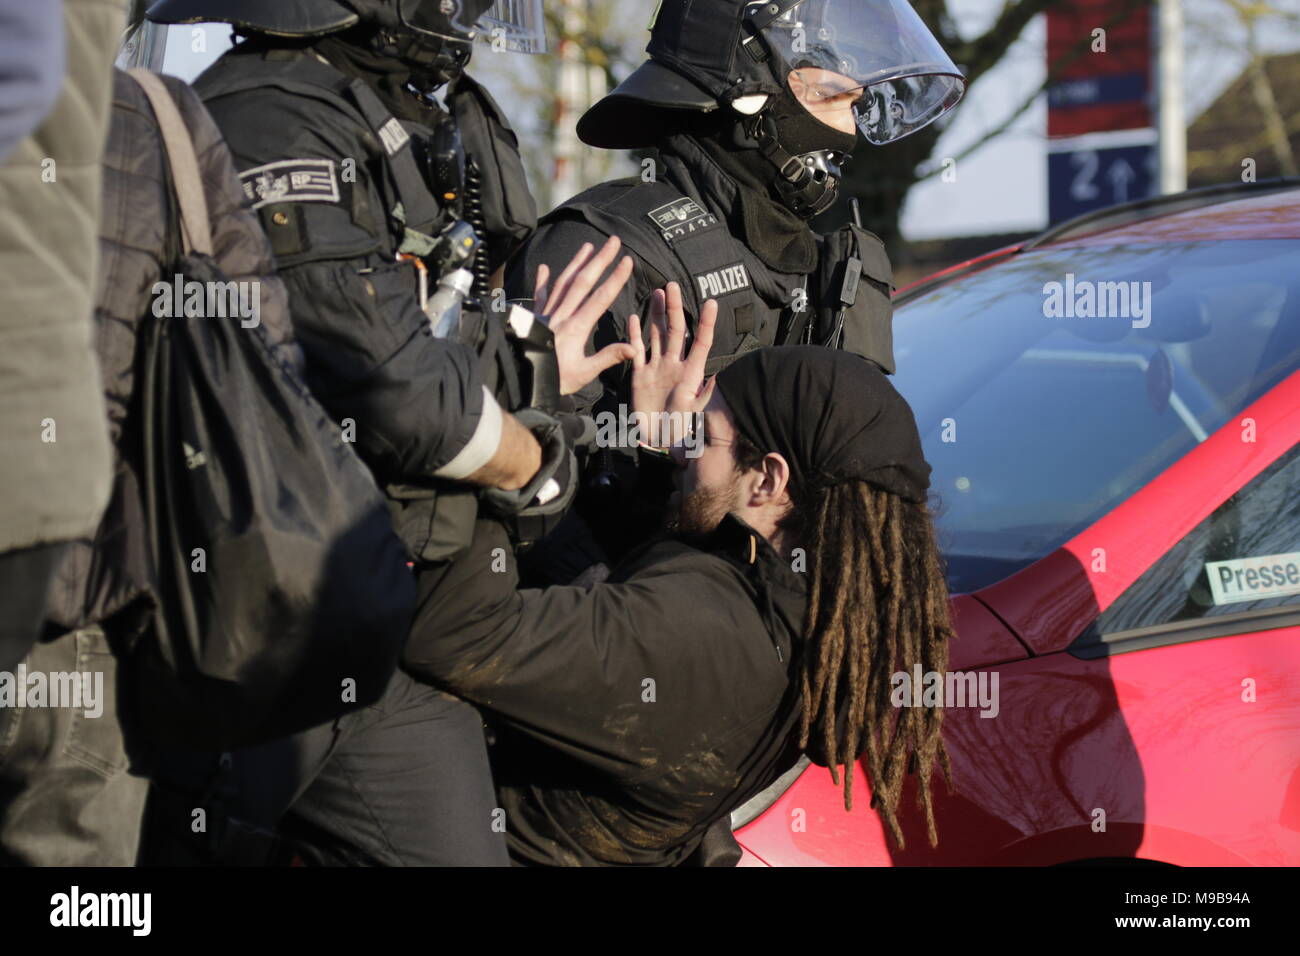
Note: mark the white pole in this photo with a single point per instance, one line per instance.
(1173, 120)
(578, 86)
(569, 102)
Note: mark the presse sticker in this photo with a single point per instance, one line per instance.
(1251, 579)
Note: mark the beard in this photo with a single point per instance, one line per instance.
(698, 514)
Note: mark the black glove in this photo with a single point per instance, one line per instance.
(552, 489)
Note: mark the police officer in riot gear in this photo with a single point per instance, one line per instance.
(376, 198)
(750, 111)
(370, 192)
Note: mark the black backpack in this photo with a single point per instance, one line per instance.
(283, 597)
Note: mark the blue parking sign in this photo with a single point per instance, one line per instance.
(1082, 179)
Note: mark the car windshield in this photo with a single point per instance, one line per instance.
(1051, 387)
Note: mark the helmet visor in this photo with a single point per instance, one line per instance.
(517, 25)
(878, 47)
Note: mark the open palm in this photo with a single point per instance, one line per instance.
(575, 304)
(669, 380)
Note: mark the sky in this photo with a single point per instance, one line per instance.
(1000, 188)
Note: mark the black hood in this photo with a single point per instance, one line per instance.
(738, 182)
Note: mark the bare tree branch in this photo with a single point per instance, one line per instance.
(981, 54)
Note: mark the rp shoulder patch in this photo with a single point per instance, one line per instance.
(291, 180)
(684, 217)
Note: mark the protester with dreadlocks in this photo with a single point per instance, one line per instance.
(800, 573)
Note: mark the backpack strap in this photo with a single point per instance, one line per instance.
(196, 228)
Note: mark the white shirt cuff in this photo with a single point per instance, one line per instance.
(483, 444)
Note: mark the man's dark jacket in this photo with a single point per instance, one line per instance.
(633, 714)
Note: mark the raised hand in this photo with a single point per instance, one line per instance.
(575, 304)
(668, 380)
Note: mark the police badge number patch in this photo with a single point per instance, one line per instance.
(291, 180)
(682, 218)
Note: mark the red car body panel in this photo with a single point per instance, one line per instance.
(1074, 737)
(1186, 754)
(982, 640)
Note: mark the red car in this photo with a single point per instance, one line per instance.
(1112, 412)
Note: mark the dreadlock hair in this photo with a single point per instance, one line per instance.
(878, 604)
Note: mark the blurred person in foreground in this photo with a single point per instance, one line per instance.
(55, 60)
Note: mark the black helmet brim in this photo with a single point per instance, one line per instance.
(639, 111)
(290, 18)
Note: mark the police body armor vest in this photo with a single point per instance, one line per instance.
(677, 239)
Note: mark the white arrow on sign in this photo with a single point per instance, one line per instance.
(1120, 175)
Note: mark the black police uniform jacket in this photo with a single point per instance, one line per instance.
(630, 715)
(316, 155)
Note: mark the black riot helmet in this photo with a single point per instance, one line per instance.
(775, 67)
(433, 36)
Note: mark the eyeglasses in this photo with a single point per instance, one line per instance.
(819, 85)
(709, 439)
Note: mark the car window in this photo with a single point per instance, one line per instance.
(1038, 422)
(1244, 557)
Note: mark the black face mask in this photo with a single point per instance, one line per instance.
(804, 154)
(368, 55)
(800, 132)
